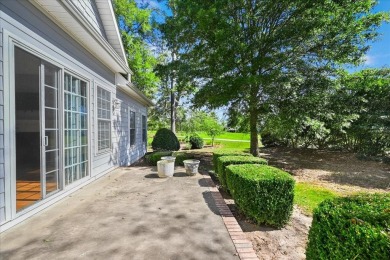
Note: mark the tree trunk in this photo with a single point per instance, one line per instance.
(254, 149)
(173, 98)
(173, 110)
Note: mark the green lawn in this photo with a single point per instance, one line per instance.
(309, 195)
(226, 140)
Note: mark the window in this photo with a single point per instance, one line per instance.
(144, 133)
(132, 127)
(104, 119)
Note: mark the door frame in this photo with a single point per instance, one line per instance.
(10, 41)
(42, 121)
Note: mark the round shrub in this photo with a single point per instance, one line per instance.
(180, 157)
(165, 140)
(354, 227)
(196, 142)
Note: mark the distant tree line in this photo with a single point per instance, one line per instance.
(351, 112)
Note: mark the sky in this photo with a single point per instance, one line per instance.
(379, 54)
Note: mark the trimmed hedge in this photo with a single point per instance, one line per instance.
(263, 193)
(154, 157)
(356, 227)
(196, 142)
(220, 153)
(180, 157)
(165, 140)
(224, 161)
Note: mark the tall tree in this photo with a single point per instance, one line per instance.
(137, 33)
(249, 51)
(174, 70)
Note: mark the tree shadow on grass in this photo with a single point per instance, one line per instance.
(330, 166)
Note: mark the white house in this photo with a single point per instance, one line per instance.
(68, 111)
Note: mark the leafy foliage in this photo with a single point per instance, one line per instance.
(165, 139)
(262, 192)
(349, 112)
(137, 31)
(253, 51)
(154, 157)
(219, 153)
(181, 156)
(212, 127)
(224, 161)
(196, 142)
(351, 228)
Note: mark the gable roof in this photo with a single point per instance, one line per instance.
(77, 19)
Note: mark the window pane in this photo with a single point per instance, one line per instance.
(50, 76)
(50, 97)
(51, 181)
(104, 118)
(51, 139)
(51, 161)
(50, 118)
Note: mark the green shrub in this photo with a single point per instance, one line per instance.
(154, 157)
(165, 140)
(262, 192)
(196, 142)
(356, 227)
(220, 153)
(224, 161)
(180, 157)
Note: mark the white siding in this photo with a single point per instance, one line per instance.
(90, 12)
(27, 24)
(126, 154)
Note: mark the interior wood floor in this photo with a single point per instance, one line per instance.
(28, 188)
(27, 193)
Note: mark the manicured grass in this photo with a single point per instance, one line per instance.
(227, 135)
(239, 145)
(240, 141)
(309, 195)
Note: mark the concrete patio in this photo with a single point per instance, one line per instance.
(128, 214)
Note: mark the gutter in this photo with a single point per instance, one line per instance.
(132, 91)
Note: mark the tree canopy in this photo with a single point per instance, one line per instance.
(259, 52)
(136, 29)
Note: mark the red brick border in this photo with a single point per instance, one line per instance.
(243, 246)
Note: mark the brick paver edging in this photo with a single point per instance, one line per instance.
(243, 246)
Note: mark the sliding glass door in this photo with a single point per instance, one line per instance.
(76, 129)
(36, 128)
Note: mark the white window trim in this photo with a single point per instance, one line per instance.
(107, 150)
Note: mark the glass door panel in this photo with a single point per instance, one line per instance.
(50, 129)
(76, 129)
(27, 129)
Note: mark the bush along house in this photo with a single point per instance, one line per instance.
(68, 111)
